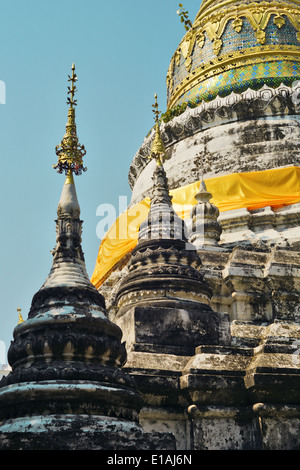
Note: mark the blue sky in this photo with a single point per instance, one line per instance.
(122, 51)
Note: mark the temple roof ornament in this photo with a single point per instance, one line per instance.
(206, 230)
(158, 149)
(20, 318)
(161, 210)
(70, 153)
(160, 190)
(68, 266)
(203, 196)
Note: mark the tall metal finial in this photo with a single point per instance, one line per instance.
(20, 319)
(72, 90)
(70, 153)
(156, 112)
(158, 148)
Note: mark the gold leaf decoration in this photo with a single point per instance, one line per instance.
(260, 36)
(200, 39)
(217, 45)
(279, 21)
(237, 24)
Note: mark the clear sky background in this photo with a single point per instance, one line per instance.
(122, 50)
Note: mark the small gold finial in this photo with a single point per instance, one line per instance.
(184, 18)
(156, 112)
(158, 148)
(70, 153)
(20, 319)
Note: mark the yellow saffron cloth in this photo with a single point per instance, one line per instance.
(253, 190)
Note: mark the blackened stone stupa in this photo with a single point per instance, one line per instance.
(66, 389)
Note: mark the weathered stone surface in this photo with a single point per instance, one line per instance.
(279, 426)
(225, 428)
(80, 432)
(157, 376)
(164, 419)
(273, 375)
(212, 372)
(66, 389)
(241, 393)
(163, 302)
(205, 228)
(172, 329)
(241, 133)
(257, 285)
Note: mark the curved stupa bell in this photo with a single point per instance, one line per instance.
(233, 46)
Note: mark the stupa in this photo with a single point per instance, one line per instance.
(66, 390)
(163, 302)
(233, 101)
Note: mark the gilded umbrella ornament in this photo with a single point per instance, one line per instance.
(158, 147)
(70, 153)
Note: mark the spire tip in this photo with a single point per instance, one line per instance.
(70, 153)
(158, 147)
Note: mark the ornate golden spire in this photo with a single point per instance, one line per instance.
(158, 148)
(70, 153)
(20, 319)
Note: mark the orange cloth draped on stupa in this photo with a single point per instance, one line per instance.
(275, 188)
